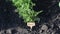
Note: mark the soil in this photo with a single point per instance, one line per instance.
(49, 22)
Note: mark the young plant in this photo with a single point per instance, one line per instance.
(25, 10)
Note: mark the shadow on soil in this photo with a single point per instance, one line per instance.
(8, 17)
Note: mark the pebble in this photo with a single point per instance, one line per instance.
(44, 27)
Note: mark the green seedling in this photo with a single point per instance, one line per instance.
(24, 8)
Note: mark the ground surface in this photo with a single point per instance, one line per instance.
(10, 23)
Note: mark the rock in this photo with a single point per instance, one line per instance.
(2, 32)
(8, 31)
(44, 27)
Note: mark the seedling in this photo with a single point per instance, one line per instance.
(24, 8)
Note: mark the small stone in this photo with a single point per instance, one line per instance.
(2, 32)
(44, 27)
(8, 31)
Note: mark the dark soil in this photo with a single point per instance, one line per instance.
(49, 23)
